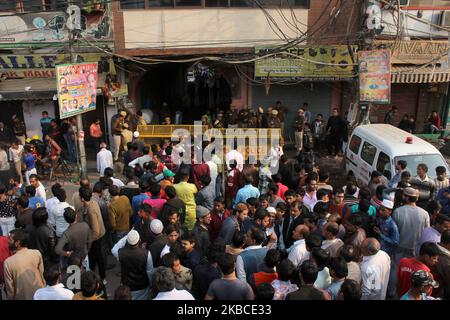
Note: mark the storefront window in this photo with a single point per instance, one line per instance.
(241, 3)
(8, 5)
(160, 3)
(216, 3)
(32, 5)
(134, 4)
(188, 3)
(59, 4)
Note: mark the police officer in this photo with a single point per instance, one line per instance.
(281, 114)
(232, 117)
(262, 120)
(219, 123)
(252, 118)
(243, 117)
(19, 129)
(274, 120)
(299, 126)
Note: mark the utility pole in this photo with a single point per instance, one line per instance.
(73, 59)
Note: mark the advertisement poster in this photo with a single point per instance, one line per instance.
(375, 76)
(327, 62)
(77, 88)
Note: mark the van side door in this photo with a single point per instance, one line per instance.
(351, 157)
(367, 155)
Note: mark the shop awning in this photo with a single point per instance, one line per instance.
(33, 88)
(419, 75)
(28, 89)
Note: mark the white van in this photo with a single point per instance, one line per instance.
(379, 147)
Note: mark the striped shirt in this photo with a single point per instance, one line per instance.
(440, 185)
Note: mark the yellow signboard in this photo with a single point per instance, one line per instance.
(327, 62)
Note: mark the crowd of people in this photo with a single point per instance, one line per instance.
(432, 123)
(225, 229)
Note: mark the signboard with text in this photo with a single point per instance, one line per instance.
(77, 88)
(38, 65)
(327, 62)
(416, 51)
(375, 76)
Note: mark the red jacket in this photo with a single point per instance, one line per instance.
(4, 254)
(199, 170)
(406, 268)
(281, 190)
(436, 121)
(232, 183)
(216, 224)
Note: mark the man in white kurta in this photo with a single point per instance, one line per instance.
(104, 159)
(375, 268)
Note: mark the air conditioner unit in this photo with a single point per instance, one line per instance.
(445, 19)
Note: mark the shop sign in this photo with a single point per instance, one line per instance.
(375, 76)
(416, 52)
(38, 65)
(77, 88)
(327, 62)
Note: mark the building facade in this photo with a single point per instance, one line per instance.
(34, 38)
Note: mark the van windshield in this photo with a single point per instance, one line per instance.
(431, 160)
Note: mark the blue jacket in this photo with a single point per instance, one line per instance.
(246, 192)
(252, 259)
(444, 201)
(390, 237)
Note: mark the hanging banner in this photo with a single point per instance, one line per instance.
(375, 76)
(327, 63)
(77, 88)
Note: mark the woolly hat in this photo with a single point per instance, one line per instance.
(202, 212)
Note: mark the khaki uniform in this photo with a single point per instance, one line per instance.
(232, 118)
(261, 120)
(117, 135)
(299, 127)
(274, 122)
(243, 118)
(127, 136)
(252, 120)
(219, 124)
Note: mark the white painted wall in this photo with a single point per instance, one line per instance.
(32, 114)
(412, 27)
(213, 27)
